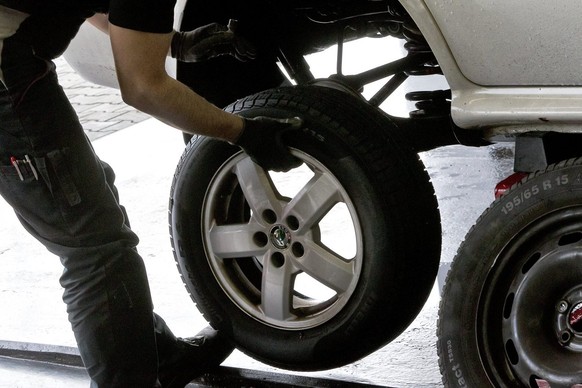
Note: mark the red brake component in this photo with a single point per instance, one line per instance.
(576, 316)
(503, 186)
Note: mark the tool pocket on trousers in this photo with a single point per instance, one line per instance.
(60, 165)
(23, 174)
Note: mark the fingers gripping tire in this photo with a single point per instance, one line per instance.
(510, 312)
(251, 253)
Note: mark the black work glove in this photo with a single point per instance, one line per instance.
(211, 41)
(262, 140)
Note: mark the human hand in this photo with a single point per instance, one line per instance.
(262, 140)
(211, 41)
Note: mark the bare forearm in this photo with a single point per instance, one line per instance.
(175, 104)
(144, 83)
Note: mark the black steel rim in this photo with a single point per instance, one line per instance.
(529, 324)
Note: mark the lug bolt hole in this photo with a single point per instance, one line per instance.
(260, 239)
(565, 337)
(562, 306)
(278, 259)
(269, 216)
(293, 222)
(298, 249)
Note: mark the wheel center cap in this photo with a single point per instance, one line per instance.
(575, 318)
(280, 237)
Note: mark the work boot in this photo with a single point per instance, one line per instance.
(193, 357)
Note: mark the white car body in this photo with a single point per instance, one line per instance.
(91, 56)
(511, 68)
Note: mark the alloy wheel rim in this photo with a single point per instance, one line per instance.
(268, 251)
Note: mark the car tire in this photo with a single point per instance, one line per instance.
(241, 246)
(510, 310)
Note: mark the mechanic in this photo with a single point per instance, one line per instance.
(64, 195)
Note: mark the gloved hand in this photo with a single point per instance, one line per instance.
(262, 140)
(211, 41)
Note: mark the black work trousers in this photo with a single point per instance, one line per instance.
(67, 200)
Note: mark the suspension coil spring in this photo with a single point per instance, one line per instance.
(429, 104)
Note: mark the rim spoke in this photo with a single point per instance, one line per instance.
(327, 267)
(257, 187)
(232, 241)
(314, 201)
(277, 290)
